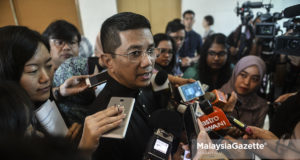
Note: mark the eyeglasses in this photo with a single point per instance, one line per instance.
(164, 51)
(136, 56)
(220, 54)
(60, 43)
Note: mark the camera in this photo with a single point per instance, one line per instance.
(266, 30)
(159, 146)
(289, 44)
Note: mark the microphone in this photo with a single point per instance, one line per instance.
(170, 121)
(161, 87)
(249, 4)
(292, 11)
(219, 99)
(216, 98)
(214, 118)
(169, 126)
(240, 125)
(159, 81)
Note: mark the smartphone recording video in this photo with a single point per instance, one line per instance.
(190, 91)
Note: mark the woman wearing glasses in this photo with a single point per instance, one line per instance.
(166, 58)
(213, 68)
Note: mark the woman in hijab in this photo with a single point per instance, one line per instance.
(245, 81)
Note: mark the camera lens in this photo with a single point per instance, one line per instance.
(294, 44)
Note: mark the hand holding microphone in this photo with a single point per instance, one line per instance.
(231, 103)
(259, 133)
(214, 118)
(219, 99)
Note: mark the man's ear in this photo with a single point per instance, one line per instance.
(106, 60)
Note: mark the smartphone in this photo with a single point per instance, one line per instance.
(190, 91)
(191, 127)
(96, 80)
(120, 131)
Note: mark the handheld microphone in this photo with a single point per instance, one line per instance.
(159, 81)
(292, 11)
(161, 87)
(171, 124)
(240, 125)
(168, 120)
(219, 99)
(216, 98)
(214, 118)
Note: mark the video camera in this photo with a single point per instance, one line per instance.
(246, 9)
(289, 44)
(268, 29)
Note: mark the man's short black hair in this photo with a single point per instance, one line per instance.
(174, 26)
(63, 30)
(209, 19)
(188, 12)
(111, 27)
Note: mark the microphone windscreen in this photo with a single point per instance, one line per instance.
(249, 4)
(216, 120)
(210, 96)
(161, 77)
(292, 11)
(170, 121)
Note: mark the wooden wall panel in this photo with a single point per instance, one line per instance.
(163, 11)
(38, 14)
(6, 16)
(159, 12)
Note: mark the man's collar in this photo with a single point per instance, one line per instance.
(121, 90)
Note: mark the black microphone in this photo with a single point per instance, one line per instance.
(161, 88)
(292, 11)
(214, 118)
(249, 4)
(170, 121)
(159, 81)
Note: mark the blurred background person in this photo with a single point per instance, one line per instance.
(207, 23)
(64, 39)
(166, 58)
(175, 30)
(213, 68)
(190, 50)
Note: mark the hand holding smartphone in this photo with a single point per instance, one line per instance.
(190, 91)
(96, 80)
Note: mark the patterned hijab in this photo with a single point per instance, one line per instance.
(248, 101)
